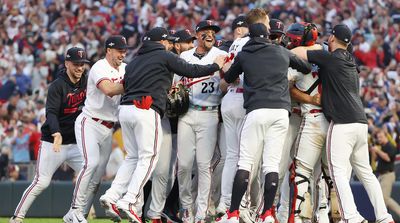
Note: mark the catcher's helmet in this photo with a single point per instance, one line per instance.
(301, 34)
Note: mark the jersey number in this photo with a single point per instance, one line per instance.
(207, 87)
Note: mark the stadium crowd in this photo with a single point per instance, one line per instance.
(34, 34)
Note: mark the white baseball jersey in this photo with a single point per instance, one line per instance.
(293, 77)
(303, 83)
(204, 91)
(97, 104)
(235, 48)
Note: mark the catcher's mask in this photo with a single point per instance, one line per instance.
(301, 34)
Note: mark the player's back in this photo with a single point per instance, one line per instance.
(265, 75)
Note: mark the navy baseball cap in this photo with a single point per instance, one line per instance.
(207, 24)
(76, 55)
(240, 21)
(158, 34)
(277, 26)
(116, 42)
(342, 32)
(183, 36)
(258, 30)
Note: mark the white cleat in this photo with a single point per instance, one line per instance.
(126, 208)
(74, 216)
(111, 208)
(15, 220)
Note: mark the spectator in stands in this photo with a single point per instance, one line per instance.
(23, 81)
(20, 146)
(14, 174)
(4, 160)
(386, 156)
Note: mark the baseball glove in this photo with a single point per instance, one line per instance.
(177, 101)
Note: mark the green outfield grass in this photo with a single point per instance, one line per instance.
(57, 220)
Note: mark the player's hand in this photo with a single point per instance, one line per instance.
(220, 60)
(57, 142)
(316, 99)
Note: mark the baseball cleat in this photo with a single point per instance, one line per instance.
(267, 217)
(229, 217)
(74, 216)
(126, 208)
(15, 219)
(68, 217)
(110, 208)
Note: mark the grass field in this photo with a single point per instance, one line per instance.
(57, 220)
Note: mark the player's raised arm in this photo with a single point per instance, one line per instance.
(183, 68)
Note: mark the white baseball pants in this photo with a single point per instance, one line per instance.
(163, 176)
(142, 134)
(233, 115)
(94, 142)
(197, 138)
(264, 129)
(47, 163)
(347, 147)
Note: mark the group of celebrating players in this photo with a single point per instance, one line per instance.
(268, 137)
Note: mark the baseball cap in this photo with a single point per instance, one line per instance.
(158, 34)
(183, 36)
(342, 32)
(258, 30)
(240, 21)
(207, 24)
(76, 55)
(277, 26)
(116, 42)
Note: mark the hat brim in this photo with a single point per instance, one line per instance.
(121, 48)
(193, 38)
(171, 38)
(79, 61)
(276, 32)
(212, 27)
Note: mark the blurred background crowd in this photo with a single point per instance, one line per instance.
(34, 35)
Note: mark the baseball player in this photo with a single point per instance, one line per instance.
(267, 104)
(147, 81)
(233, 115)
(94, 127)
(164, 173)
(276, 36)
(347, 141)
(239, 30)
(311, 137)
(197, 129)
(66, 96)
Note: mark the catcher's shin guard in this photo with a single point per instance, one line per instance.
(334, 202)
(303, 209)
